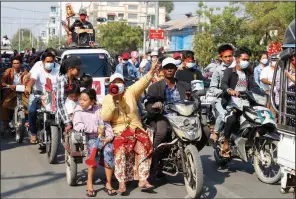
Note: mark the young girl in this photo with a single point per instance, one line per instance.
(86, 119)
(72, 99)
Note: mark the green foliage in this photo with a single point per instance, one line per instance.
(169, 7)
(25, 40)
(204, 48)
(247, 24)
(53, 42)
(119, 36)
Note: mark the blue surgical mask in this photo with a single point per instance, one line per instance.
(178, 62)
(120, 87)
(49, 66)
(244, 64)
(264, 61)
(124, 61)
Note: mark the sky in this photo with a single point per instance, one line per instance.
(11, 17)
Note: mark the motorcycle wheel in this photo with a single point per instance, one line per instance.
(20, 131)
(71, 169)
(194, 177)
(53, 144)
(270, 160)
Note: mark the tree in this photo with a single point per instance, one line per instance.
(53, 42)
(25, 39)
(119, 36)
(204, 48)
(169, 7)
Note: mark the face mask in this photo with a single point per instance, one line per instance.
(226, 65)
(189, 65)
(178, 62)
(244, 64)
(82, 17)
(273, 63)
(120, 87)
(124, 61)
(264, 61)
(149, 58)
(49, 66)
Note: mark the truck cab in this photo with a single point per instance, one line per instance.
(98, 65)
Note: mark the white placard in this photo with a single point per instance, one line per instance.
(99, 86)
(20, 88)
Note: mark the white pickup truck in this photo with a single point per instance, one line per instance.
(97, 62)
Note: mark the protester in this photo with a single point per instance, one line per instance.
(86, 119)
(127, 69)
(12, 77)
(149, 62)
(178, 58)
(226, 55)
(134, 59)
(38, 79)
(266, 75)
(72, 99)
(132, 159)
(69, 72)
(257, 71)
(235, 80)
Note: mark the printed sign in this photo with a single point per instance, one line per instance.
(156, 34)
(99, 86)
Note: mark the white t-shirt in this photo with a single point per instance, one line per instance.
(39, 64)
(40, 75)
(266, 73)
(70, 106)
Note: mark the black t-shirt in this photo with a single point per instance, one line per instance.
(86, 25)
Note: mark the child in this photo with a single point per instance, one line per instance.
(85, 81)
(86, 119)
(72, 99)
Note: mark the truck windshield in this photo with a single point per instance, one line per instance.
(96, 64)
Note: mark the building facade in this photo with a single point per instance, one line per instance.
(53, 24)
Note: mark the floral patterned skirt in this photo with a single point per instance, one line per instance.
(104, 156)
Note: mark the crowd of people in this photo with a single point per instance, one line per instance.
(125, 146)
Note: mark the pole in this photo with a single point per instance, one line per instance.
(31, 37)
(144, 28)
(156, 21)
(60, 23)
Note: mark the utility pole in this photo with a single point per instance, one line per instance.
(156, 21)
(60, 23)
(144, 27)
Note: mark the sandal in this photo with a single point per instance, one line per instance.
(121, 190)
(213, 138)
(90, 193)
(111, 192)
(147, 187)
(33, 140)
(225, 153)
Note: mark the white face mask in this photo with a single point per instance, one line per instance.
(124, 61)
(273, 63)
(178, 62)
(49, 66)
(244, 64)
(120, 87)
(190, 65)
(264, 61)
(148, 58)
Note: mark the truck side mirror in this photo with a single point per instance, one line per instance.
(286, 54)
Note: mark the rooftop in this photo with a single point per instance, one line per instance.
(179, 24)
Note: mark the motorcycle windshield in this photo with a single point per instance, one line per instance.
(185, 108)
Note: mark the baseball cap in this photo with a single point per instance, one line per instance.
(73, 61)
(176, 55)
(154, 53)
(168, 61)
(82, 11)
(125, 55)
(116, 76)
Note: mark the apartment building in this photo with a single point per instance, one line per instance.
(53, 24)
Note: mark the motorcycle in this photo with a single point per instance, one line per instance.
(18, 122)
(181, 154)
(256, 138)
(48, 131)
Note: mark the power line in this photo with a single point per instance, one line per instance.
(23, 9)
(22, 23)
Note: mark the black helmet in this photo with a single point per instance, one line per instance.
(289, 39)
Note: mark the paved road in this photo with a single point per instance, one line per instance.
(25, 173)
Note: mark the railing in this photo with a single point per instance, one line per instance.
(282, 66)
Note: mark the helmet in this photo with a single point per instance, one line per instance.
(289, 38)
(82, 11)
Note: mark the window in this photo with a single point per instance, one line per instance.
(113, 3)
(132, 24)
(152, 19)
(132, 16)
(52, 20)
(43, 34)
(120, 15)
(53, 31)
(53, 9)
(111, 17)
(132, 7)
